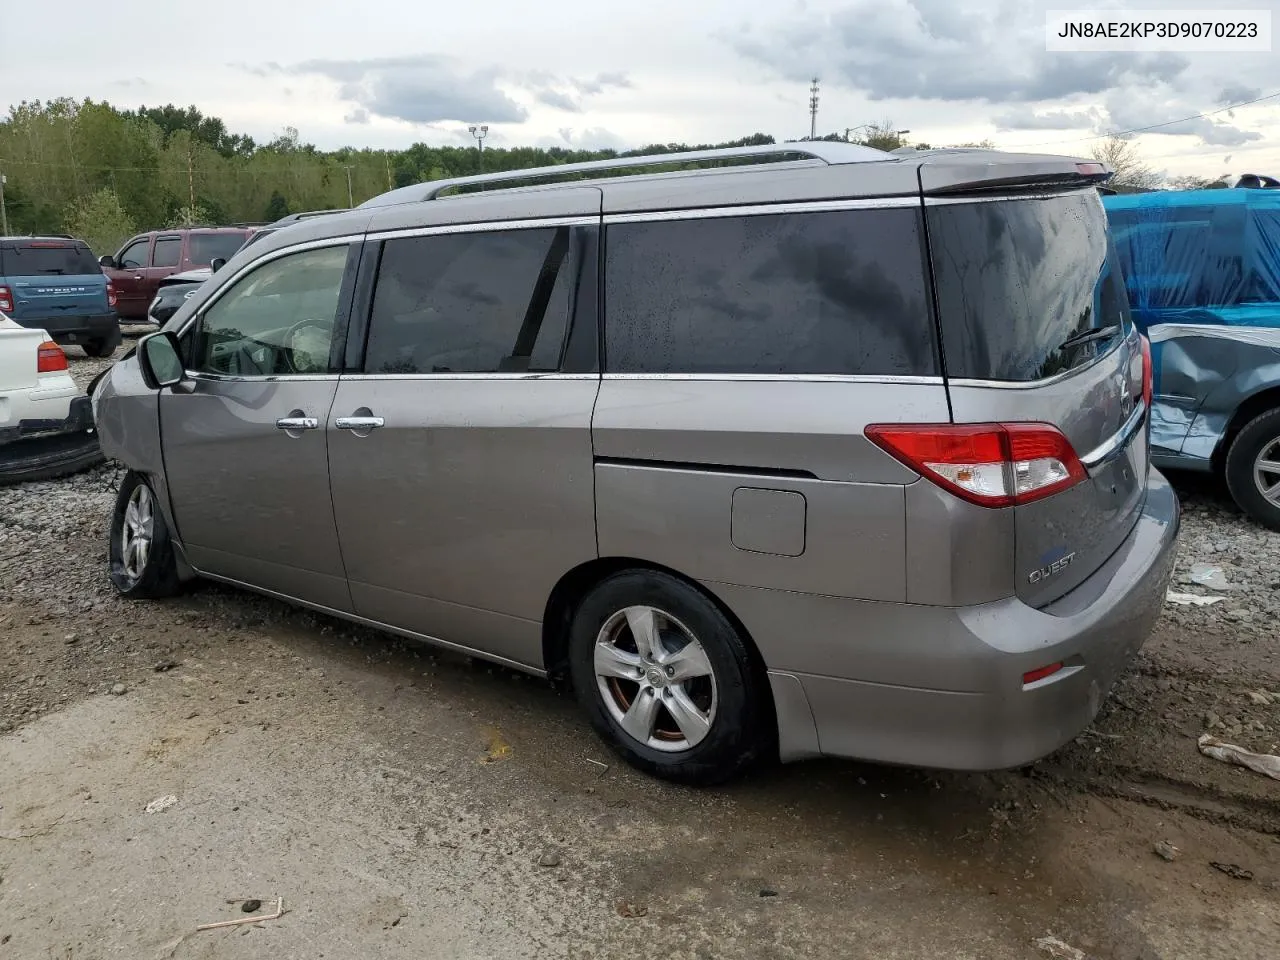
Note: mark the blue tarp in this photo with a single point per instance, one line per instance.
(1199, 256)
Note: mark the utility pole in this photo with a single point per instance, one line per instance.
(390, 183)
(191, 185)
(480, 133)
(350, 200)
(813, 110)
(4, 215)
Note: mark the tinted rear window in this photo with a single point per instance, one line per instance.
(838, 292)
(1016, 279)
(204, 248)
(27, 260)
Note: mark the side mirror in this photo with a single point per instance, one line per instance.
(217, 264)
(108, 261)
(160, 358)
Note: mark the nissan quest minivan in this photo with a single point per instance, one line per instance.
(794, 450)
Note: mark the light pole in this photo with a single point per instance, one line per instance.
(350, 198)
(4, 215)
(480, 132)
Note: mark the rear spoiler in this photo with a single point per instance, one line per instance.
(961, 172)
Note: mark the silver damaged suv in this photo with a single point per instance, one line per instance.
(779, 451)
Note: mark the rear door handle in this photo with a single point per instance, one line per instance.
(297, 423)
(357, 423)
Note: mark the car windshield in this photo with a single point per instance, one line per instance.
(45, 259)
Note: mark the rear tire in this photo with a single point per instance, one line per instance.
(667, 680)
(1253, 469)
(143, 565)
(103, 346)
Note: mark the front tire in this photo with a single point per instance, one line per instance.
(1253, 469)
(667, 680)
(143, 565)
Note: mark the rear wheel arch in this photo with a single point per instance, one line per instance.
(574, 586)
(1250, 408)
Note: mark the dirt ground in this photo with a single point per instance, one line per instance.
(407, 803)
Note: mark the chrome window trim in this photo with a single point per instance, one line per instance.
(485, 226)
(344, 240)
(266, 378)
(1117, 441)
(495, 375)
(887, 378)
(752, 210)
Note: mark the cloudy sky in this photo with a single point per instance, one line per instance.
(387, 73)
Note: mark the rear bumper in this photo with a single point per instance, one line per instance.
(942, 687)
(79, 419)
(75, 329)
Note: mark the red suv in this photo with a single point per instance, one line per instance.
(139, 266)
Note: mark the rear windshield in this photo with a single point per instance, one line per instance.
(206, 247)
(48, 259)
(1017, 280)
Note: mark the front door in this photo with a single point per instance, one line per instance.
(166, 255)
(460, 456)
(244, 441)
(129, 277)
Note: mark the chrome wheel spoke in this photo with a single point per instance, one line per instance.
(693, 723)
(639, 718)
(1269, 466)
(687, 663)
(643, 622)
(1272, 492)
(612, 662)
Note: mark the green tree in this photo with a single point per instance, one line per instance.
(100, 221)
(277, 207)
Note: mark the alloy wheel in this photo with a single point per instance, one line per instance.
(655, 679)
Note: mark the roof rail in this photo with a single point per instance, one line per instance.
(817, 151)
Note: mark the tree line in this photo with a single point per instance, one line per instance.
(102, 173)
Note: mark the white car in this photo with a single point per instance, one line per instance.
(46, 421)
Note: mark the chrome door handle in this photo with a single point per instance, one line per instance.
(297, 423)
(357, 423)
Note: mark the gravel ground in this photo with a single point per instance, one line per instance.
(1083, 821)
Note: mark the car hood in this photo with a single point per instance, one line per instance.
(199, 275)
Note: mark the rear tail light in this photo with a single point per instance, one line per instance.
(6, 299)
(50, 358)
(1148, 372)
(990, 464)
(111, 294)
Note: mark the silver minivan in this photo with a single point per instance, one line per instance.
(777, 451)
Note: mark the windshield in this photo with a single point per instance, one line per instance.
(1026, 287)
(47, 259)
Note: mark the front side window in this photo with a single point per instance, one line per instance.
(278, 319)
(134, 256)
(829, 292)
(168, 252)
(481, 302)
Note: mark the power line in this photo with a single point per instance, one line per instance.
(1154, 126)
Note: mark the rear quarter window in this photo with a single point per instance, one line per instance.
(1018, 278)
(47, 260)
(828, 292)
(204, 248)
